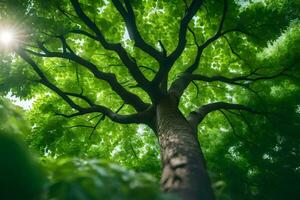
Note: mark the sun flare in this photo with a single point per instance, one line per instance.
(6, 37)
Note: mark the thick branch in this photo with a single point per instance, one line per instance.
(178, 86)
(117, 47)
(166, 67)
(110, 78)
(80, 96)
(240, 80)
(196, 116)
(217, 35)
(122, 119)
(191, 11)
(46, 82)
(142, 117)
(130, 21)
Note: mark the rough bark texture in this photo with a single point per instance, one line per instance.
(184, 172)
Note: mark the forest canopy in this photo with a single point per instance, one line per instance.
(201, 95)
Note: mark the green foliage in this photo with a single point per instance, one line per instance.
(12, 120)
(253, 159)
(249, 156)
(93, 179)
(20, 176)
(52, 135)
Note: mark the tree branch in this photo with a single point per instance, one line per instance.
(231, 48)
(191, 11)
(46, 82)
(136, 118)
(178, 86)
(96, 125)
(240, 80)
(217, 35)
(166, 67)
(196, 116)
(142, 117)
(110, 78)
(85, 98)
(117, 47)
(244, 140)
(129, 18)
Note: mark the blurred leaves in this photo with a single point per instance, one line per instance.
(79, 179)
(20, 175)
(12, 119)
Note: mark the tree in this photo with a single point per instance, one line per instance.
(150, 55)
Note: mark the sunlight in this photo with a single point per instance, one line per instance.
(11, 36)
(7, 37)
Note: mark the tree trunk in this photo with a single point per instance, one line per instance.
(184, 173)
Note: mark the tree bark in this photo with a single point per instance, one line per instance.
(184, 173)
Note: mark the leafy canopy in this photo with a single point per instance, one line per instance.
(249, 56)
